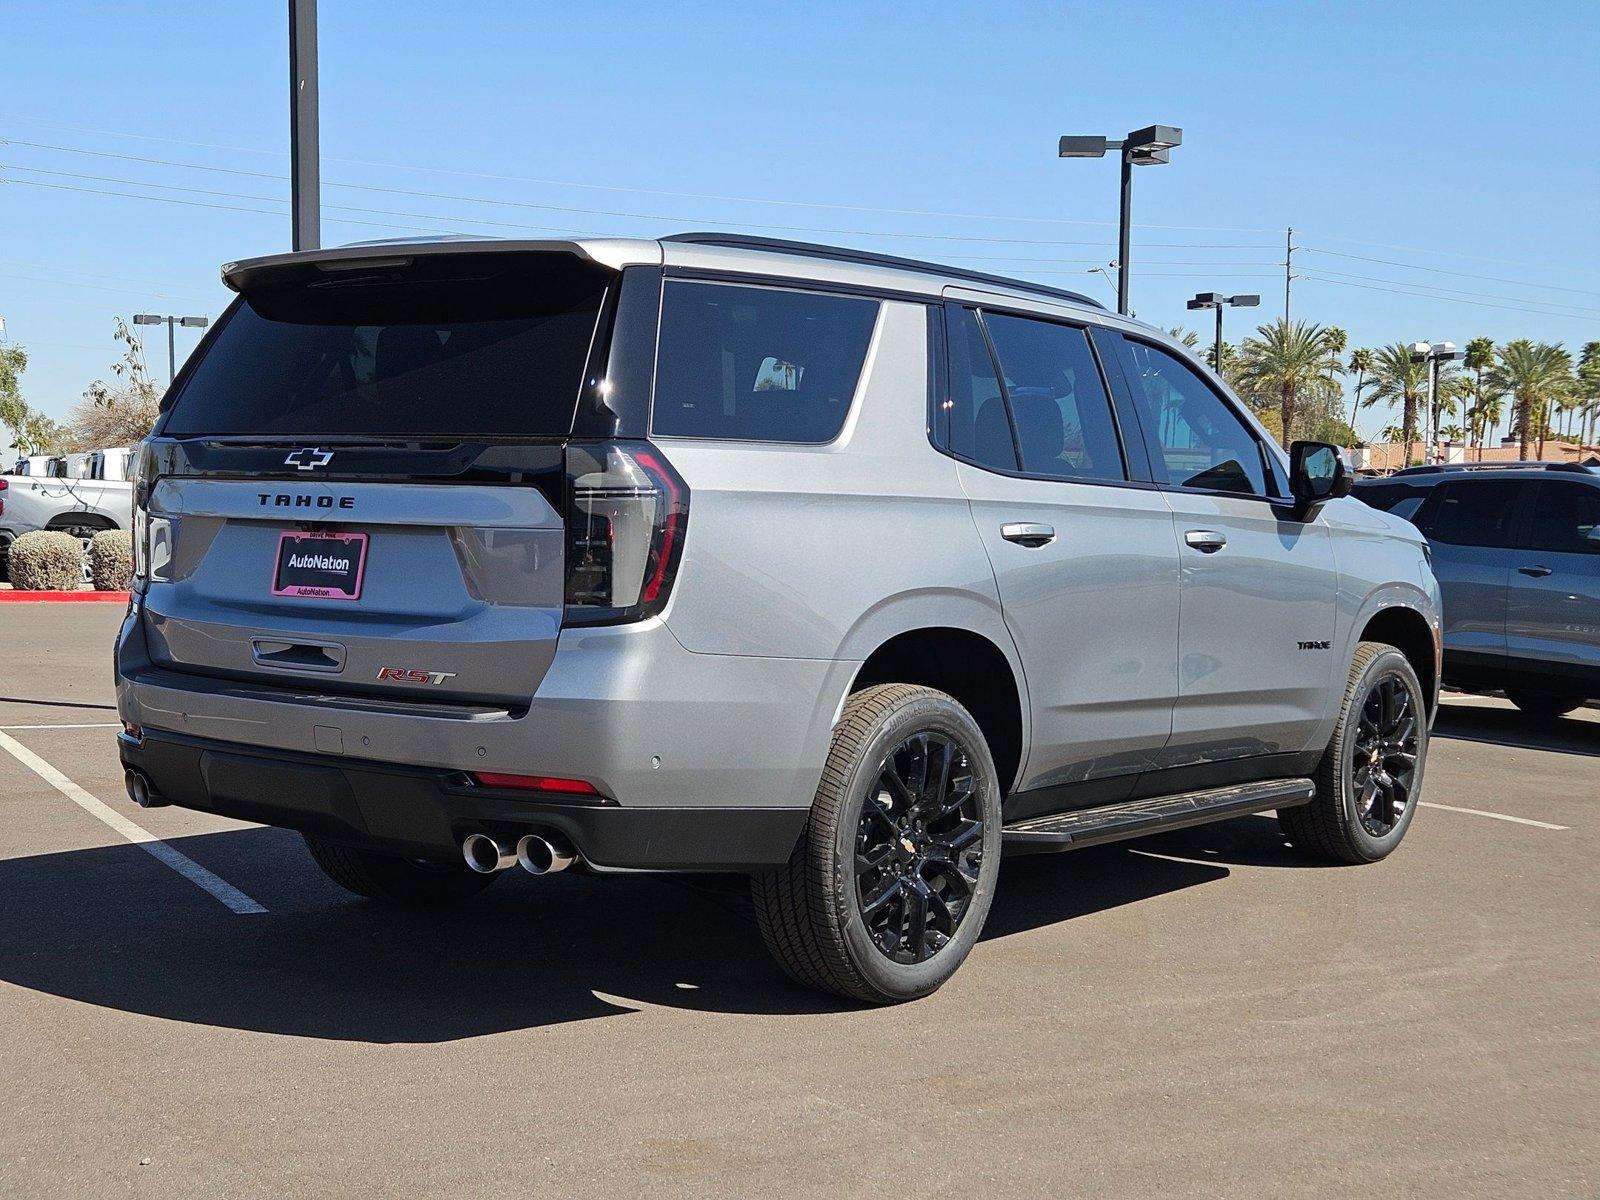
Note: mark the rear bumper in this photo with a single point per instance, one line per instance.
(625, 708)
(426, 812)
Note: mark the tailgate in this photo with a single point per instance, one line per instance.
(454, 592)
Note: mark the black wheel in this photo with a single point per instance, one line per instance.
(398, 880)
(888, 889)
(1371, 774)
(1545, 704)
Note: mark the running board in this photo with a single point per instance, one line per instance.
(1135, 818)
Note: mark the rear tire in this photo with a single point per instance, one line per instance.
(395, 879)
(888, 889)
(1370, 776)
(1545, 704)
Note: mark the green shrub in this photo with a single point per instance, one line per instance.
(46, 560)
(111, 560)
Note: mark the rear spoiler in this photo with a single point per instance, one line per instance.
(276, 270)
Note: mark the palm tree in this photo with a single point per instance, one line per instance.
(1186, 337)
(1533, 376)
(1588, 386)
(1486, 415)
(1398, 380)
(1284, 361)
(1335, 342)
(1479, 358)
(1361, 363)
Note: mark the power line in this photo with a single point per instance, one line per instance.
(1428, 287)
(899, 212)
(1445, 299)
(1549, 287)
(559, 208)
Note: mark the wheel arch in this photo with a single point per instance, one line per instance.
(971, 668)
(1408, 630)
(85, 520)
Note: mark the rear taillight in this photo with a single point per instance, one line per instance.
(627, 511)
(3, 486)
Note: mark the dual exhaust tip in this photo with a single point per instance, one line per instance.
(534, 854)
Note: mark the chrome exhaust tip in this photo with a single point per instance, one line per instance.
(141, 791)
(542, 856)
(485, 855)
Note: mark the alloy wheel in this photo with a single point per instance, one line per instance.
(1383, 760)
(919, 847)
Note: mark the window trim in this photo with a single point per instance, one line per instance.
(1270, 468)
(1087, 329)
(771, 284)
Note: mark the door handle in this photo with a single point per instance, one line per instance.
(1207, 541)
(1028, 533)
(1536, 572)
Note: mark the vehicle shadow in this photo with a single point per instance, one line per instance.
(110, 926)
(1512, 727)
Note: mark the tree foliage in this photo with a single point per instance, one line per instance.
(121, 412)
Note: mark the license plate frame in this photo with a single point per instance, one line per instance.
(316, 582)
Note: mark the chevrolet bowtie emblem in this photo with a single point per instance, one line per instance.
(309, 459)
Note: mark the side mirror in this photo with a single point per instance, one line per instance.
(1317, 472)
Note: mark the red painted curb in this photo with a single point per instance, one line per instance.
(44, 597)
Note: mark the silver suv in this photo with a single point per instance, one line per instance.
(721, 554)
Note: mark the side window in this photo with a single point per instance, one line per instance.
(980, 430)
(1565, 517)
(758, 363)
(1473, 512)
(1059, 406)
(1199, 439)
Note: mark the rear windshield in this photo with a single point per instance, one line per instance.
(498, 354)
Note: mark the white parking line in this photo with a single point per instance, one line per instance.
(1478, 812)
(220, 889)
(100, 725)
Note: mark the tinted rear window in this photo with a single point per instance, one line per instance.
(758, 363)
(499, 354)
(1474, 513)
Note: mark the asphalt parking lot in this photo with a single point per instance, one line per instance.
(1201, 1013)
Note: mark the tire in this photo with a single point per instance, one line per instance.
(1545, 704)
(1339, 825)
(907, 854)
(395, 879)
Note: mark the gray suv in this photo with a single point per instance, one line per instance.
(1516, 548)
(718, 554)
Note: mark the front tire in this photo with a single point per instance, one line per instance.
(1371, 774)
(1545, 704)
(395, 879)
(887, 891)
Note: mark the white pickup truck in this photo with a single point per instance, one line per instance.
(55, 500)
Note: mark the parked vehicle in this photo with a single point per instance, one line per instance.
(725, 554)
(32, 464)
(1516, 548)
(113, 463)
(81, 507)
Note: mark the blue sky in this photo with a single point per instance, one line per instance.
(1452, 142)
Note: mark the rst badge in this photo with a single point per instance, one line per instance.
(413, 675)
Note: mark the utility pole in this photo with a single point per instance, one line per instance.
(1288, 270)
(305, 183)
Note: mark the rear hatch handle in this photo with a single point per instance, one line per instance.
(298, 656)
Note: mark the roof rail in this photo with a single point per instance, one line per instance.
(1519, 465)
(872, 258)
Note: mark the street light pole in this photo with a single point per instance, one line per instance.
(1432, 353)
(1124, 234)
(1143, 147)
(1218, 301)
(305, 183)
(172, 345)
